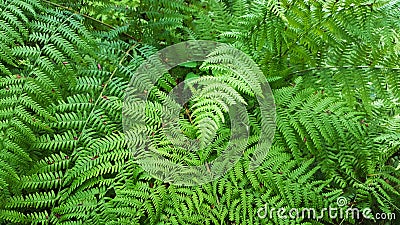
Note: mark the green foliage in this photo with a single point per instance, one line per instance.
(65, 68)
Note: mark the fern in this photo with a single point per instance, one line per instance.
(67, 71)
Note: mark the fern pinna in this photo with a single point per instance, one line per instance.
(65, 68)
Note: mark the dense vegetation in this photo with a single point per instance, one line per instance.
(333, 67)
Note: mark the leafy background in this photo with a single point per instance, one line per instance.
(333, 67)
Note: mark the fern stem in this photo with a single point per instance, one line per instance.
(87, 17)
(93, 109)
(105, 86)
